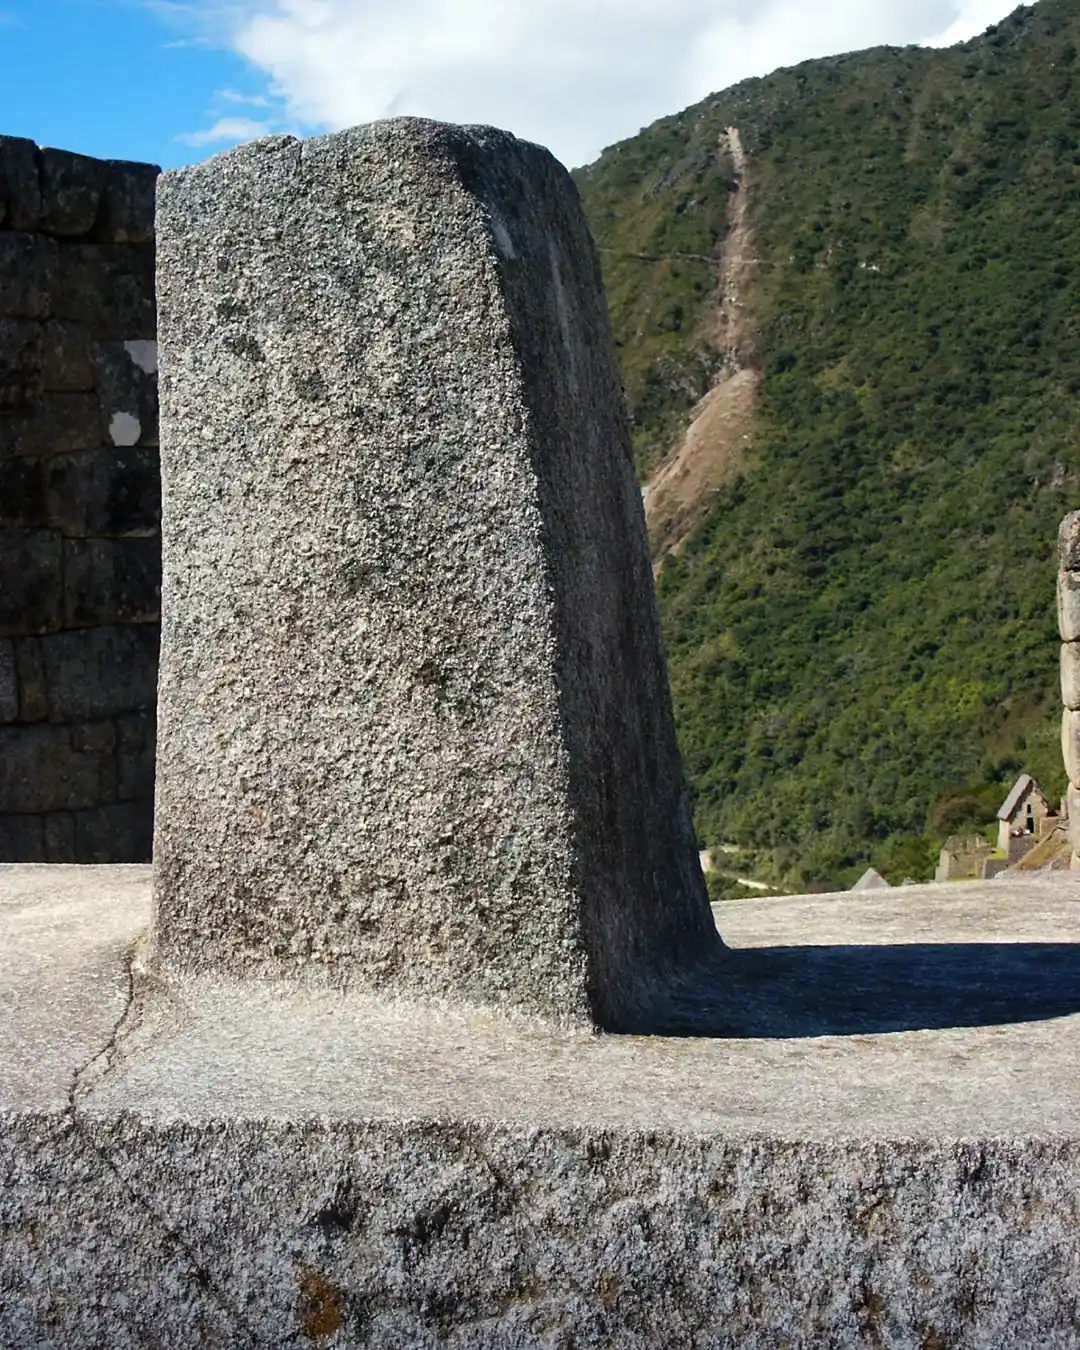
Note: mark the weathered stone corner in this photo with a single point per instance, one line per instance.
(1069, 543)
(415, 730)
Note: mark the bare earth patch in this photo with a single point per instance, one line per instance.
(712, 453)
(716, 444)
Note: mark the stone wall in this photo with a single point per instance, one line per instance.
(1069, 625)
(963, 858)
(79, 507)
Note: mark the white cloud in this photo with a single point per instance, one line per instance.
(248, 100)
(230, 123)
(227, 131)
(976, 16)
(574, 74)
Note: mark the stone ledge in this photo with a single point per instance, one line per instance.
(275, 1168)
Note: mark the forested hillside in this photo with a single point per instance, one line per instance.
(861, 625)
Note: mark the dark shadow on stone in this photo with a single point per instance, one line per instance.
(795, 992)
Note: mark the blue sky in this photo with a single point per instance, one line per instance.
(172, 81)
(116, 78)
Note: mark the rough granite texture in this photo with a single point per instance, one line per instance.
(1069, 606)
(80, 566)
(1069, 543)
(415, 731)
(1070, 675)
(882, 1152)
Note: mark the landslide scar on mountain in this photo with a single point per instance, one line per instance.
(717, 442)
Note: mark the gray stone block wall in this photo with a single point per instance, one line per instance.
(80, 569)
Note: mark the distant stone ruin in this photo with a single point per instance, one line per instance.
(1031, 835)
(415, 725)
(1022, 818)
(871, 880)
(964, 857)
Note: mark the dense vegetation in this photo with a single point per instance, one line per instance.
(861, 634)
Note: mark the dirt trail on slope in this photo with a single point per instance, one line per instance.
(717, 442)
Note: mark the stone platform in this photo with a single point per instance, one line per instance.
(876, 1144)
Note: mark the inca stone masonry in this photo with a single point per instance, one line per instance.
(421, 832)
(79, 507)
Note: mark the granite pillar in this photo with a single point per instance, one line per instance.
(415, 730)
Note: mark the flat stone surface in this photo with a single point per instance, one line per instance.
(939, 1011)
(901, 1170)
(65, 938)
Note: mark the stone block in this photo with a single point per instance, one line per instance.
(22, 839)
(31, 597)
(414, 518)
(107, 493)
(1073, 801)
(1070, 674)
(33, 690)
(37, 838)
(59, 828)
(66, 358)
(1070, 745)
(62, 423)
(119, 833)
(1069, 543)
(22, 493)
(43, 768)
(9, 683)
(21, 365)
(108, 287)
(20, 184)
(126, 382)
(71, 188)
(29, 275)
(94, 738)
(1069, 606)
(100, 672)
(108, 581)
(135, 762)
(127, 203)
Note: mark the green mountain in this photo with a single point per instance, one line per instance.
(860, 280)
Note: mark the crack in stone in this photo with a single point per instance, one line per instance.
(202, 1275)
(111, 1040)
